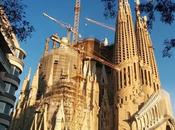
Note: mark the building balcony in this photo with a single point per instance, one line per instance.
(16, 62)
(19, 53)
(7, 98)
(4, 63)
(10, 79)
(4, 119)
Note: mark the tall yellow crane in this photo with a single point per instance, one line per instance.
(76, 20)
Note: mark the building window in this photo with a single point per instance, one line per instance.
(168, 127)
(56, 62)
(7, 109)
(125, 98)
(129, 75)
(135, 72)
(149, 78)
(121, 100)
(157, 86)
(121, 79)
(15, 71)
(142, 76)
(56, 71)
(17, 52)
(2, 127)
(146, 79)
(125, 77)
(9, 88)
(128, 115)
(21, 56)
(12, 90)
(118, 83)
(2, 107)
(154, 85)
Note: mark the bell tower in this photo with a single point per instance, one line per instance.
(148, 68)
(126, 58)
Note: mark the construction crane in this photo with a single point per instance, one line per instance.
(63, 25)
(101, 60)
(76, 20)
(89, 54)
(100, 24)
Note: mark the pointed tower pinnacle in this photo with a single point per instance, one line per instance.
(60, 117)
(155, 73)
(24, 89)
(149, 73)
(29, 73)
(26, 80)
(137, 2)
(46, 49)
(34, 88)
(143, 49)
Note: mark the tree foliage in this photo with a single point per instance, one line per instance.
(169, 44)
(165, 9)
(15, 11)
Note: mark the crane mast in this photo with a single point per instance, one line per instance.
(76, 20)
(74, 30)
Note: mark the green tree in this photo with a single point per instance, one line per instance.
(15, 11)
(165, 9)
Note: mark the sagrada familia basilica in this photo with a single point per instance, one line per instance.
(94, 86)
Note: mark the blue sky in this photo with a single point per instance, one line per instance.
(64, 11)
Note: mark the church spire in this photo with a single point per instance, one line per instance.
(125, 43)
(155, 73)
(119, 38)
(142, 42)
(25, 83)
(149, 74)
(24, 89)
(143, 50)
(137, 3)
(34, 88)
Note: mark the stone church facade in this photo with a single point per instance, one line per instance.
(91, 86)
